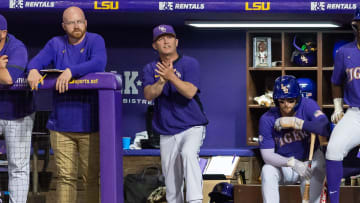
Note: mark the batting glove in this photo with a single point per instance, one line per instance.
(300, 167)
(338, 110)
(288, 122)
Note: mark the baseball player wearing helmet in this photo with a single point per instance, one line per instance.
(16, 114)
(345, 84)
(284, 136)
(172, 81)
(73, 123)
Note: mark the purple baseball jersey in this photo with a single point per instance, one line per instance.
(347, 72)
(15, 104)
(288, 142)
(73, 111)
(174, 113)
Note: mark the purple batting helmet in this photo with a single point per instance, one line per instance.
(287, 87)
(222, 192)
(307, 88)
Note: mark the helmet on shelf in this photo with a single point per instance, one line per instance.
(337, 46)
(307, 88)
(304, 54)
(222, 192)
(356, 18)
(286, 87)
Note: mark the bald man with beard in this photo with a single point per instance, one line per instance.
(73, 123)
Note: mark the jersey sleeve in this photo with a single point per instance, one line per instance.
(339, 74)
(192, 73)
(315, 120)
(266, 126)
(97, 61)
(18, 58)
(43, 58)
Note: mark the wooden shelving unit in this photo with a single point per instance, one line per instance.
(282, 48)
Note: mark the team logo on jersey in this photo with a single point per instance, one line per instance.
(284, 89)
(178, 74)
(82, 50)
(290, 137)
(156, 76)
(63, 51)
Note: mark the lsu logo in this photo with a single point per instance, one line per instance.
(284, 89)
(106, 5)
(257, 6)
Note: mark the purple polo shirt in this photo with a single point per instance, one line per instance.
(347, 72)
(173, 113)
(73, 111)
(288, 142)
(15, 104)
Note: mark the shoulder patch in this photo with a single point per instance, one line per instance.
(261, 138)
(318, 113)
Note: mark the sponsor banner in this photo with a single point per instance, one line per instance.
(274, 6)
(101, 80)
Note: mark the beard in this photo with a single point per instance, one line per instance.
(77, 33)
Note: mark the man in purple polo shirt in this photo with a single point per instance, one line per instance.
(16, 114)
(73, 123)
(345, 84)
(284, 133)
(173, 82)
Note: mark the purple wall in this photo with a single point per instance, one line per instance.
(223, 81)
(221, 54)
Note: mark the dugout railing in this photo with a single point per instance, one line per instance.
(108, 86)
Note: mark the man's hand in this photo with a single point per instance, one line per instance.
(338, 110)
(62, 82)
(288, 122)
(166, 71)
(300, 167)
(3, 61)
(33, 79)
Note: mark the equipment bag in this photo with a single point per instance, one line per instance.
(138, 187)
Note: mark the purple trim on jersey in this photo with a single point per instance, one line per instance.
(15, 104)
(74, 111)
(347, 72)
(173, 112)
(288, 142)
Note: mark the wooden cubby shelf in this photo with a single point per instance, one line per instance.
(259, 80)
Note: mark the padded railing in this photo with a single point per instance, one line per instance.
(108, 86)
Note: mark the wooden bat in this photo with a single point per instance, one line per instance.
(306, 195)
